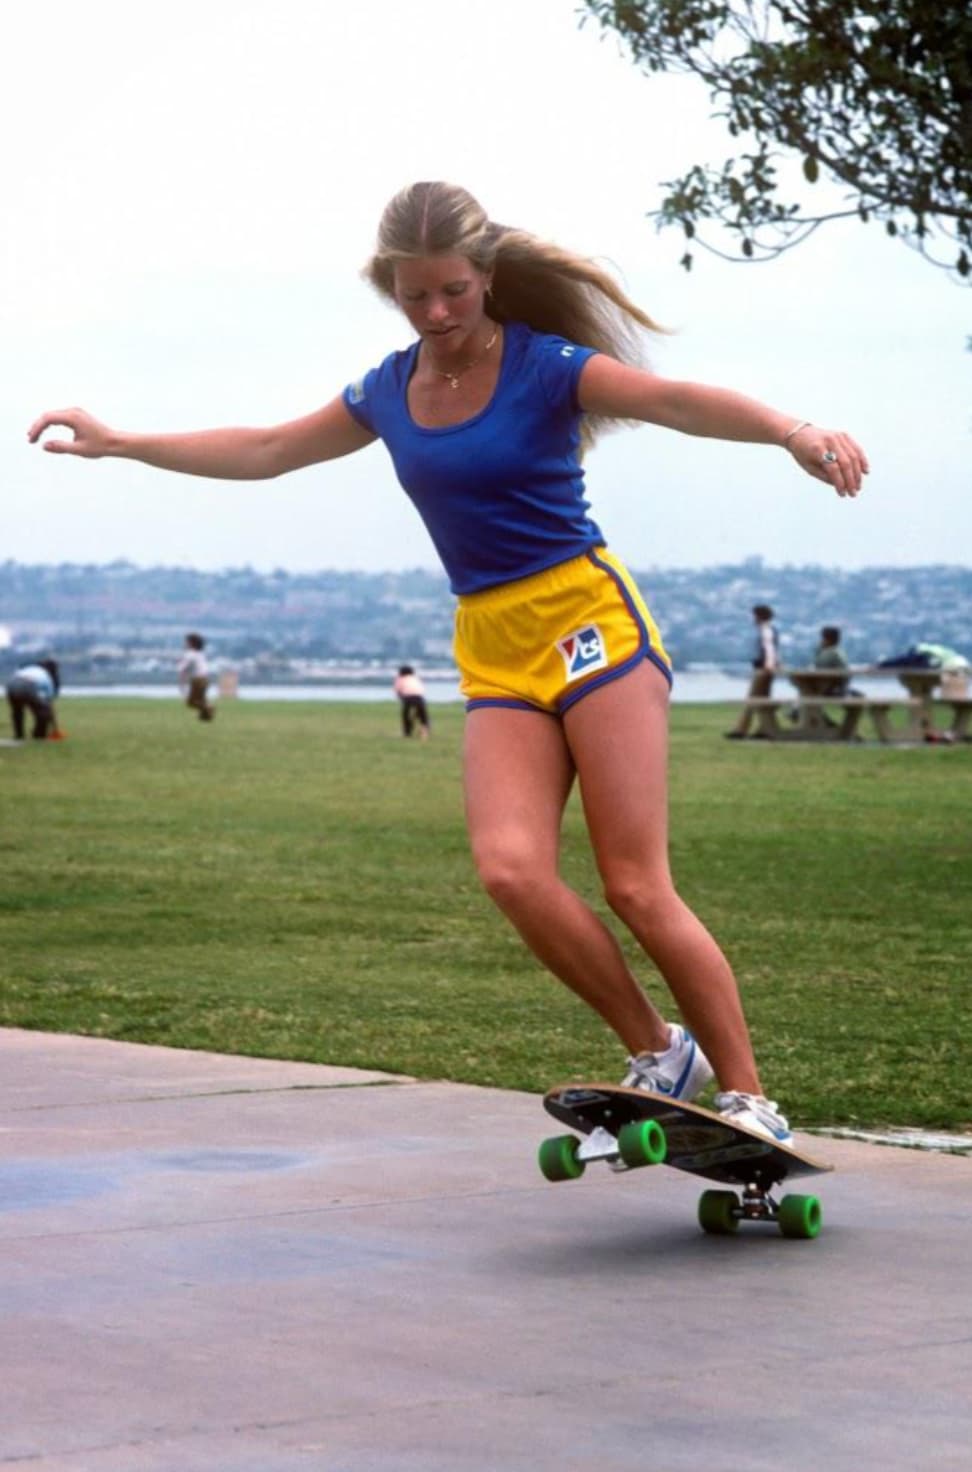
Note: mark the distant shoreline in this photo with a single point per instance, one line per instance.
(712, 686)
(690, 687)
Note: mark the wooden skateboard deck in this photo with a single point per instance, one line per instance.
(628, 1128)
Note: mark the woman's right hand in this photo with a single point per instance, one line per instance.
(223, 454)
(91, 438)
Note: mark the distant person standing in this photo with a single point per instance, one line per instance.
(765, 662)
(194, 677)
(411, 695)
(34, 688)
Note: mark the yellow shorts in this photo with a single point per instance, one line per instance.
(544, 642)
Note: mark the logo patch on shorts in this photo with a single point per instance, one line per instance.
(583, 651)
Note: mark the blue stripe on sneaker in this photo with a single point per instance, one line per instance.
(686, 1071)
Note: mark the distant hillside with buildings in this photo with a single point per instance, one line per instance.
(119, 621)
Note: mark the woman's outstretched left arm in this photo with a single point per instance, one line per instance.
(616, 390)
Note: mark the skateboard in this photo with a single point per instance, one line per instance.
(629, 1128)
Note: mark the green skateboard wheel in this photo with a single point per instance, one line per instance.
(557, 1158)
(642, 1142)
(800, 1216)
(716, 1210)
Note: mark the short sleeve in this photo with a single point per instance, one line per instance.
(559, 365)
(357, 399)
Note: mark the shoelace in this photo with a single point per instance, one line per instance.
(737, 1103)
(640, 1071)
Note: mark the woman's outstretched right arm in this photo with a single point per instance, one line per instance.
(224, 454)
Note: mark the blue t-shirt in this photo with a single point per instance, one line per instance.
(501, 494)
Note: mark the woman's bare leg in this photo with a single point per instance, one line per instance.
(518, 774)
(618, 738)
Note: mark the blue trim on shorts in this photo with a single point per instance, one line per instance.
(482, 701)
(649, 648)
(626, 595)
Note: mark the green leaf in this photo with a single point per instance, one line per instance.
(811, 169)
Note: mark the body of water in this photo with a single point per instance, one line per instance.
(699, 687)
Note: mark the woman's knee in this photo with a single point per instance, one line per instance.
(642, 899)
(508, 871)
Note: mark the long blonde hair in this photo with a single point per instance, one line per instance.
(533, 281)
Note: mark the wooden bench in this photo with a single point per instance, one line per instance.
(879, 710)
(811, 725)
(961, 707)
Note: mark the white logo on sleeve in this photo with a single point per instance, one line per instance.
(583, 651)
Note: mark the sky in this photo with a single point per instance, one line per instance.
(191, 190)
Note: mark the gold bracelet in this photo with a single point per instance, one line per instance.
(804, 424)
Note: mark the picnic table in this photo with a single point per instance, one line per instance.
(817, 714)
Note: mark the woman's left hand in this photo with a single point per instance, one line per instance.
(832, 456)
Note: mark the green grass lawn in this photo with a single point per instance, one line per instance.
(294, 881)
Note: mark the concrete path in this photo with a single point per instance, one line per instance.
(216, 1264)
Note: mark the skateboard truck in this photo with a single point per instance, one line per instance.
(639, 1142)
(600, 1144)
(720, 1212)
(758, 1205)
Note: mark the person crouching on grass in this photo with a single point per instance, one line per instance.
(411, 695)
(522, 353)
(34, 688)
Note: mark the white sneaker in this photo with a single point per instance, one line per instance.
(681, 1072)
(755, 1113)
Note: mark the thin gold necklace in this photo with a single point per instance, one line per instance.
(454, 374)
